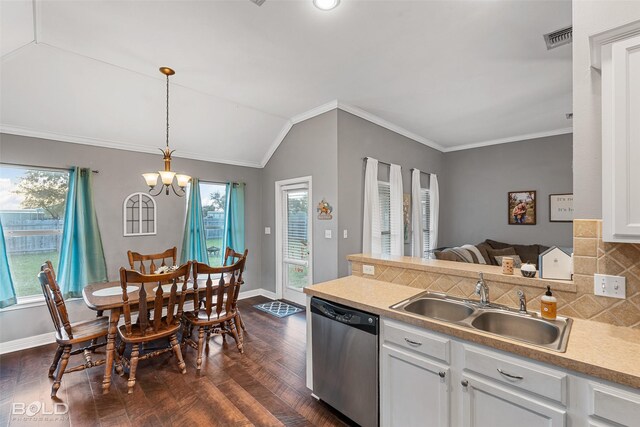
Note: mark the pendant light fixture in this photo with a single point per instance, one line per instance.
(167, 175)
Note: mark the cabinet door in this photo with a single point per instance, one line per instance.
(414, 391)
(488, 404)
(621, 140)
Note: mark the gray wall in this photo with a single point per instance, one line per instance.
(358, 138)
(476, 182)
(590, 17)
(119, 176)
(310, 148)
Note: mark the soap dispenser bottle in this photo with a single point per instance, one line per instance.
(548, 305)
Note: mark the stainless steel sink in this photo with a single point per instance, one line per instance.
(493, 318)
(441, 309)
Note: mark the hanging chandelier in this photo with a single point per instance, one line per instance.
(167, 175)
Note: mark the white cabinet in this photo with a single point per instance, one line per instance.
(414, 377)
(617, 53)
(431, 379)
(488, 403)
(414, 391)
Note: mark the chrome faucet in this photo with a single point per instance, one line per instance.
(483, 290)
(523, 302)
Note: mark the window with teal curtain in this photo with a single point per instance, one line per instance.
(234, 224)
(81, 253)
(7, 291)
(194, 243)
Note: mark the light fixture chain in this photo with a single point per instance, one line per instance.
(167, 111)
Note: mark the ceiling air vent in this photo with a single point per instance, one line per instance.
(258, 2)
(559, 37)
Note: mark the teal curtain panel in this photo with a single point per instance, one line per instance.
(234, 223)
(194, 243)
(81, 254)
(7, 291)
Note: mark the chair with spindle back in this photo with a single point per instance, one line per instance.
(231, 256)
(151, 324)
(135, 257)
(69, 334)
(219, 308)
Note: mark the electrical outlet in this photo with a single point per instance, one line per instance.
(368, 269)
(344, 234)
(267, 230)
(327, 234)
(609, 286)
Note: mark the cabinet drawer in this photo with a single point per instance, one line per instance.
(532, 378)
(417, 340)
(614, 405)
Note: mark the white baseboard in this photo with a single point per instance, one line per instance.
(28, 342)
(49, 337)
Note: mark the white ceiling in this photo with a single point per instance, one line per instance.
(452, 74)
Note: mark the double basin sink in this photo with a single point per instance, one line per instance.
(493, 318)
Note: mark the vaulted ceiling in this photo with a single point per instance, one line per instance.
(454, 74)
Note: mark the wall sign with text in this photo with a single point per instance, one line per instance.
(561, 207)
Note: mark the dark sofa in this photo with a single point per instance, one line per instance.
(489, 249)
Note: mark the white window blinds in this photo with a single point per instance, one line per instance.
(426, 210)
(384, 192)
(295, 213)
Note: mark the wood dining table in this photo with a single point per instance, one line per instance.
(108, 297)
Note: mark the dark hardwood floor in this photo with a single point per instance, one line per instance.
(264, 387)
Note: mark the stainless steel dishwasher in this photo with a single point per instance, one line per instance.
(345, 360)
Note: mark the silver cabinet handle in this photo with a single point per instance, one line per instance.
(464, 383)
(442, 374)
(515, 377)
(416, 343)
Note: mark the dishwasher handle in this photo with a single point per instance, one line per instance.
(345, 315)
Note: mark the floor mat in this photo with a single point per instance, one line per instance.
(278, 308)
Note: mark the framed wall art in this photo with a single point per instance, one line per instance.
(561, 207)
(522, 207)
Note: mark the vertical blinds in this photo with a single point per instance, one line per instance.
(295, 212)
(426, 217)
(384, 193)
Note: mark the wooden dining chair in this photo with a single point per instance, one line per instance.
(151, 324)
(230, 257)
(135, 257)
(219, 310)
(69, 334)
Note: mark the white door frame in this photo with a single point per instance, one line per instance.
(278, 195)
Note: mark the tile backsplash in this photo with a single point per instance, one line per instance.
(591, 255)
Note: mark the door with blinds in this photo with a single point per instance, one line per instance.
(294, 234)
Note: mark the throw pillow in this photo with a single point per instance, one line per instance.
(517, 262)
(500, 252)
(483, 247)
(497, 245)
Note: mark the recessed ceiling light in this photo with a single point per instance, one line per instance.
(326, 4)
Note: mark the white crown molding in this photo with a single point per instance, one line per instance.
(598, 40)
(332, 105)
(388, 125)
(118, 145)
(509, 139)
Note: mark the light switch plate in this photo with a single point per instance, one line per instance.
(267, 230)
(368, 269)
(327, 234)
(609, 286)
(344, 234)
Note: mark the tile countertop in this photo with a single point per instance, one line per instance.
(594, 348)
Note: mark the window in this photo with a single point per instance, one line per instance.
(384, 194)
(139, 215)
(214, 204)
(426, 221)
(32, 212)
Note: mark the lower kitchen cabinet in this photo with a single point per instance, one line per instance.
(414, 390)
(432, 379)
(486, 403)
